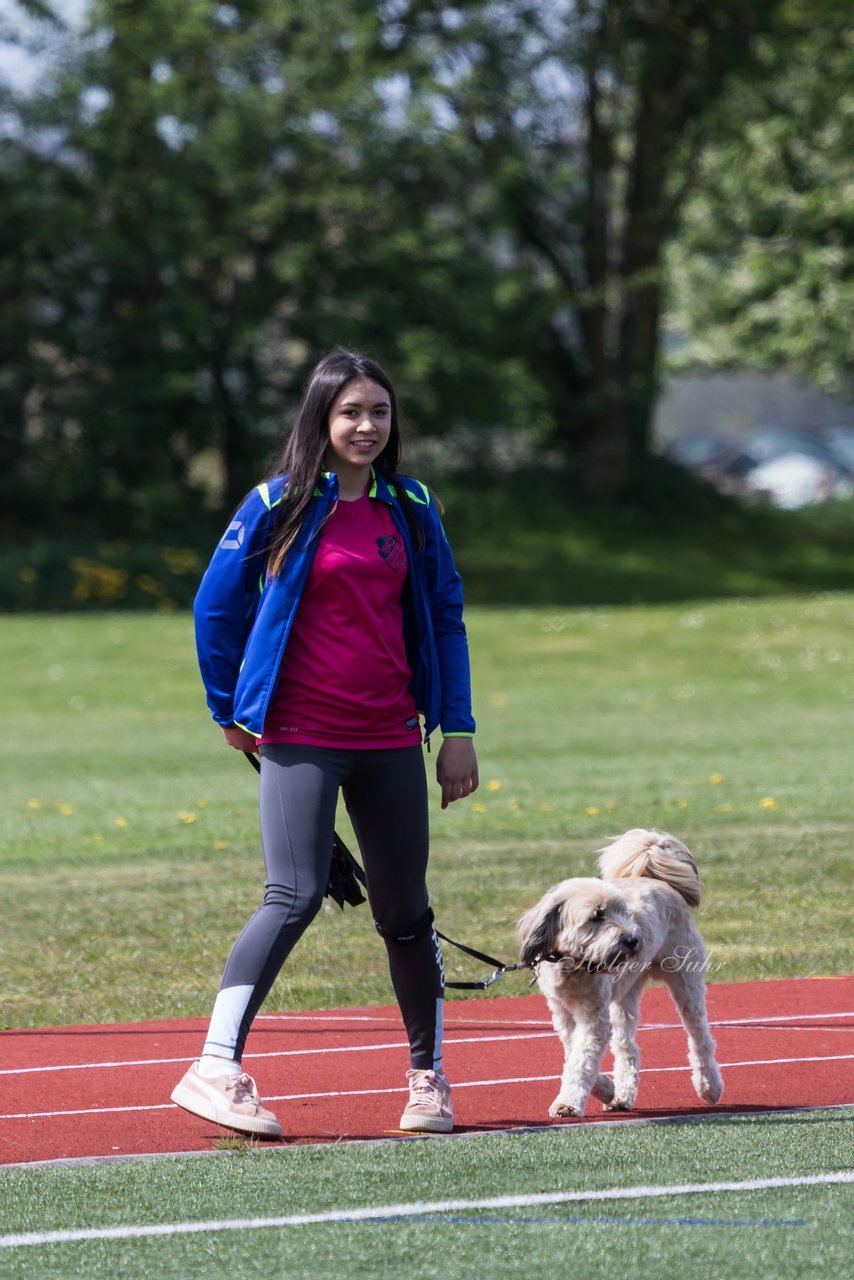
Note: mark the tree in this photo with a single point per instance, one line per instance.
(22, 202)
(763, 269)
(174, 140)
(580, 125)
(208, 196)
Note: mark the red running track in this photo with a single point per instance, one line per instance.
(72, 1092)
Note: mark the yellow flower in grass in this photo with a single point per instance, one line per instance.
(716, 779)
(220, 845)
(33, 803)
(121, 822)
(592, 810)
(767, 802)
(65, 808)
(683, 804)
(478, 808)
(187, 818)
(493, 785)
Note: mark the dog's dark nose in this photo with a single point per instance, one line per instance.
(630, 942)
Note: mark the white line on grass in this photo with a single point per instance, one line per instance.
(421, 1209)
(458, 1084)
(399, 1044)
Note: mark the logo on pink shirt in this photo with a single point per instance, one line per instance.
(391, 549)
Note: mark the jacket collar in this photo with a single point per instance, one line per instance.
(327, 486)
(380, 487)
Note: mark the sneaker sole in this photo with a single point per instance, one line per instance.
(426, 1124)
(189, 1101)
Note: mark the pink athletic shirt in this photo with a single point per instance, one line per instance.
(344, 678)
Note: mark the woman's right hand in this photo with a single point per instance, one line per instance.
(240, 739)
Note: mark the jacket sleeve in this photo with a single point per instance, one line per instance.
(445, 593)
(227, 602)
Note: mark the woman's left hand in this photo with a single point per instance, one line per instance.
(456, 769)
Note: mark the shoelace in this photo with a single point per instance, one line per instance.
(425, 1090)
(243, 1087)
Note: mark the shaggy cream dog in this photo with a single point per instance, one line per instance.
(594, 945)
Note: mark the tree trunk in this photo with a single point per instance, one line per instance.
(617, 445)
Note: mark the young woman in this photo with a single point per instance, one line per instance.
(328, 624)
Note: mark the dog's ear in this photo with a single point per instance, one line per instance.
(537, 932)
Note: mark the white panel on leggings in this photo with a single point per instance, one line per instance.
(228, 1011)
(440, 1033)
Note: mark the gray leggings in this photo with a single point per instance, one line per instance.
(385, 792)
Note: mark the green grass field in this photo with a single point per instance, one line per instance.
(129, 847)
(130, 838)
(556, 1227)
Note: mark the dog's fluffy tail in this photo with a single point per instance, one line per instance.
(655, 855)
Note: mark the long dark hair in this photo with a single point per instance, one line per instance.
(301, 460)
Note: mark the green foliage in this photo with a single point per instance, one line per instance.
(229, 200)
(519, 538)
(763, 268)
(199, 200)
(50, 575)
(525, 539)
(187, 149)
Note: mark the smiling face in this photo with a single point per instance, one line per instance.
(359, 428)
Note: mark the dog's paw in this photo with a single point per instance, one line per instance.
(603, 1089)
(560, 1109)
(709, 1086)
(620, 1104)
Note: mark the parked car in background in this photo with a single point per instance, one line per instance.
(790, 467)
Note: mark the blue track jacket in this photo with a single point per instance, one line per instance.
(243, 618)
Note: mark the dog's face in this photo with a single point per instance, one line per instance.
(586, 921)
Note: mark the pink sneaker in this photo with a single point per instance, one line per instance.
(229, 1100)
(429, 1109)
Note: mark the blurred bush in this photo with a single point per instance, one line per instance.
(53, 575)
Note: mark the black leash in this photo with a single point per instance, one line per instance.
(345, 877)
(499, 968)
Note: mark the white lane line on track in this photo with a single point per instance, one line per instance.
(458, 1084)
(276, 1053)
(781, 1018)
(450, 1020)
(320, 1017)
(724, 1023)
(368, 1213)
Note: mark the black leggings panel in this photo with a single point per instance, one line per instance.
(385, 792)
